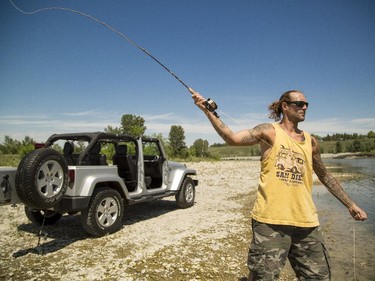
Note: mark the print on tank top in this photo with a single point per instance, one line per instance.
(289, 166)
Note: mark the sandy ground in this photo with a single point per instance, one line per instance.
(158, 241)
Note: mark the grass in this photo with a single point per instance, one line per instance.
(9, 160)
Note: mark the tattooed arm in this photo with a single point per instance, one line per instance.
(262, 134)
(333, 185)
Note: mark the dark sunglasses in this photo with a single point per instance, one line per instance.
(298, 103)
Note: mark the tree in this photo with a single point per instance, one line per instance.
(110, 129)
(177, 141)
(357, 146)
(130, 124)
(200, 148)
(133, 125)
(11, 146)
(338, 147)
(160, 137)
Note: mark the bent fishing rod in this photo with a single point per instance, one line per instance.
(209, 103)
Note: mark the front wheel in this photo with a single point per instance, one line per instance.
(186, 195)
(104, 214)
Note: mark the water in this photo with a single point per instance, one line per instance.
(351, 243)
(360, 185)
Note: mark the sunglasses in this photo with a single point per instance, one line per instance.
(298, 103)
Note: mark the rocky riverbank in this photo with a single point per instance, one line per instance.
(158, 241)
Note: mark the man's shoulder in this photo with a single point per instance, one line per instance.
(266, 126)
(267, 130)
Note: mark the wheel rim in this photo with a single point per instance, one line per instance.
(107, 212)
(50, 179)
(189, 194)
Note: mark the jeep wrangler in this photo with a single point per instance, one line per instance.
(71, 174)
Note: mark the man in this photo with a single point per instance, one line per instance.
(284, 218)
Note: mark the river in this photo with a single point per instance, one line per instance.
(357, 177)
(351, 243)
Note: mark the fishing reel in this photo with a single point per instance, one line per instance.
(211, 106)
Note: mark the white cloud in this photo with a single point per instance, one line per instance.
(40, 127)
(83, 113)
(335, 125)
(166, 116)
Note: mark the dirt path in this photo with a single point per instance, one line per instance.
(158, 241)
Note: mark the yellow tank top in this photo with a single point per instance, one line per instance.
(285, 186)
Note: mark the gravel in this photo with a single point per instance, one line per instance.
(158, 241)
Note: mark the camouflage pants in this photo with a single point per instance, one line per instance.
(304, 247)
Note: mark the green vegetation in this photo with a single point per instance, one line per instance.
(353, 143)
(337, 143)
(11, 151)
(130, 124)
(10, 160)
(234, 151)
(177, 146)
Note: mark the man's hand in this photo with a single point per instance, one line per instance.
(199, 100)
(357, 213)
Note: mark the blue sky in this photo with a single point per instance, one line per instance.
(61, 72)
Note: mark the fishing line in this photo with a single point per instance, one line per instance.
(107, 26)
(354, 252)
(209, 104)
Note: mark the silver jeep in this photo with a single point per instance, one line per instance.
(71, 173)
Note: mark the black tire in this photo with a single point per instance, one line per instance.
(186, 195)
(104, 213)
(42, 178)
(37, 216)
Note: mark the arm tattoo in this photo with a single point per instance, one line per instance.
(222, 131)
(330, 181)
(251, 138)
(255, 135)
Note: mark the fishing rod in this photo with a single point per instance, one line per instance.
(209, 103)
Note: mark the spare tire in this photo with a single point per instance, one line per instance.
(42, 178)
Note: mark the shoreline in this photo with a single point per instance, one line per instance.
(352, 155)
(345, 155)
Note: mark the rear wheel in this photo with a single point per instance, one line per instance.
(186, 195)
(42, 178)
(104, 214)
(38, 216)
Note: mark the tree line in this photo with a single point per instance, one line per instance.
(345, 136)
(339, 143)
(175, 145)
